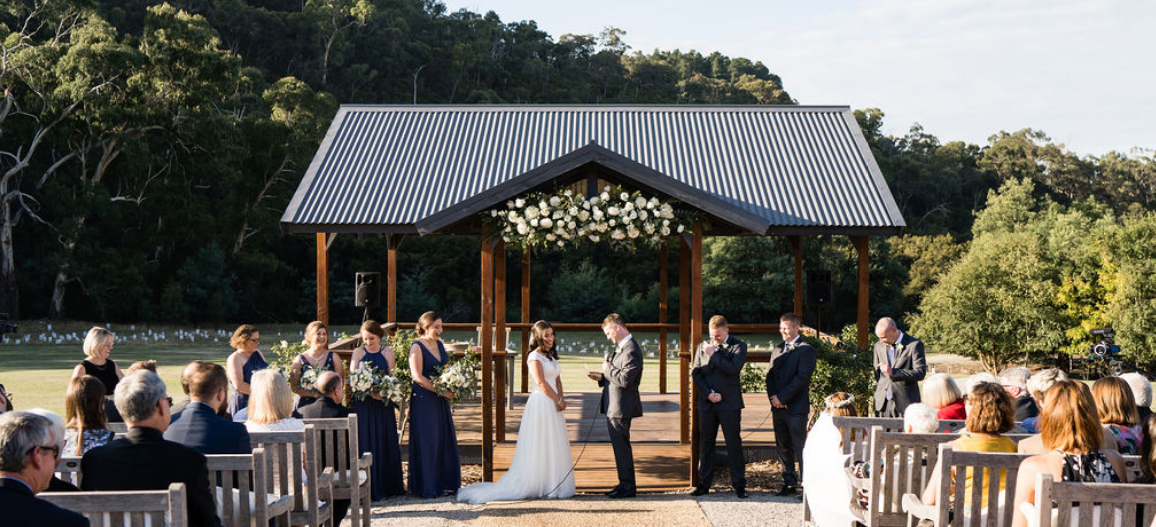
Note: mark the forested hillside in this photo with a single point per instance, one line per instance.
(147, 151)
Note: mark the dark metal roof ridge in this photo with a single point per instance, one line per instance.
(769, 108)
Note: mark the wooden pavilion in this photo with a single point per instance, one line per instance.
(789, 171)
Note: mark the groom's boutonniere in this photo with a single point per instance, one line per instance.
(792, 346)
(724, 346)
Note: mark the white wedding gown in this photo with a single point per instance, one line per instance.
(542, 463)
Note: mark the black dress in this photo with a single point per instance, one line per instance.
(107, 376)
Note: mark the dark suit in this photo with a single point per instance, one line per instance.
(621, 403)
(20, 508)
(200, 428)
(144, 460)
(1025, 408)
(909, 368)
(325, 408)
(720, 374)
(789, 378)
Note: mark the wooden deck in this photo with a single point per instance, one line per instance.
(661, 462)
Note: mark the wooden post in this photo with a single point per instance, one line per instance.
(393, 241)
(864, 279)
(663, 284)
(684, 350)
(487, 357)
(323, 278)
(525, 318)
(797, 249)
(696, 321)
(500, 335)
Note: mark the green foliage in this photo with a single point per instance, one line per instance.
(400, 342)
(579, 291)
(842, 367)
(753, 378)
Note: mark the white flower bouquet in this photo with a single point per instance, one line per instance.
(308, 380)
(363, 381)
(459, 377)
(390, 388)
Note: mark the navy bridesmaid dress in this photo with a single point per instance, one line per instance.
(303, 400)
(240, 401)
(377, 434)
(434, 466)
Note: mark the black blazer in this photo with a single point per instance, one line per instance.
(20, 508)
(720, 374)
(910, 367)
(620, 397)
(322, 408)
(789, 376)
(143, 460)
(1025, 408)
(200, 428)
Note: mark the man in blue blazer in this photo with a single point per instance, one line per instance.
(28, 456)
(198, 426)
(789, 389)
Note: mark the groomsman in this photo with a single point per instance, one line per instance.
(789, 389)
(620, 376)
(899, 366)
(717, 365)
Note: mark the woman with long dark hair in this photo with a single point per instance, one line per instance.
(86, 425)
(435, 467)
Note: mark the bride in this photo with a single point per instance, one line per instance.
(542, 463)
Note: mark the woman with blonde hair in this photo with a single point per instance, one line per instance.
(1117, 408)
(376, 420)
(434, 465)
(240, 366)
(86, 427)
(98, 345)
(271, 404)
(317, 358)
(1071, 432)
(942, 393)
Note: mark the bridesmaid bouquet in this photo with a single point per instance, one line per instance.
(393, 390)
(459, 377)
(308, 379)
(363, 381)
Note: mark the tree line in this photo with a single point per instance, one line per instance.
(147, 152)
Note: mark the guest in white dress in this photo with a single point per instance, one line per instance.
(271, 404)
(542, 465)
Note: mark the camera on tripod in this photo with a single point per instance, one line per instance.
(1106, 348)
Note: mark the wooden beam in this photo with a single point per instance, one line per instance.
(663, 285)
(696, 322)
(797, 249)
(525, 318)
(684, 350)
(861, 243)
(323, 278)
(500, 338)
(393, 241)
(487, 339)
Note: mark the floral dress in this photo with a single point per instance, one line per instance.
(1127, 438)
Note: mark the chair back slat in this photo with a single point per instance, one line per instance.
(68, 469)
(295, 470)
(998, 471)
(118, 428)
(126, 508)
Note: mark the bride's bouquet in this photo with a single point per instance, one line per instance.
(363, 381)
(459, 377)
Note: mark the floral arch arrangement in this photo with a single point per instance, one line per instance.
(567, 218)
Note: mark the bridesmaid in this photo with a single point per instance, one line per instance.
(376, 422)
(97, 347)
(317, 357)
(434, 466)
(240, 367)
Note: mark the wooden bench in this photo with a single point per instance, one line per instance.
(856, 431)
(906, 461)
(352, 477)
(68, 470)
(1079, 504)
(990, 467)
(126, 507)
(240, 490)
(292, 464)
(118, 428)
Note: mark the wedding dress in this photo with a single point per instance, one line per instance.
(824, 459)
(542, 463)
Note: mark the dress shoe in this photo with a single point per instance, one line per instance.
(620, 493)
(741, 493)
(701, 490)
(787, 490)
(613, 491)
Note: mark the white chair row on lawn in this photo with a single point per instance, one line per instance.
(911, 458)
(299, 474)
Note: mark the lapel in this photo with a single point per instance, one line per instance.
(899, 348)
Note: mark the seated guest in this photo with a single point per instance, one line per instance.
(975, 379)
(1148, 450)
(87, 427)
(200, 425)
(143, 459)
(941, 392)
(1142, 392)
(270, 403)
(57, 484)
(28, 456)
(1072, 436)
(150, 365)
(1117, 410)
(921, 419)
(5, 400)
(328, 406)
(1039, 384)
(989, 415)
(1015, 381)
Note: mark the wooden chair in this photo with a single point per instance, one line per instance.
(68, 469)
(240, 490)
(118, 428)
(341, 447)
(126, 507)
(1087, 504)
(292, 465)
(993, 468)
(1132, 466)
(899, 463)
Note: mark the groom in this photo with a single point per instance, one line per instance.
(621, 373)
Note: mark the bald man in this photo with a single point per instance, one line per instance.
(899, 366)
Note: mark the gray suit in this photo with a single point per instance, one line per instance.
(621, 403)
(720, 374)
(909, 368)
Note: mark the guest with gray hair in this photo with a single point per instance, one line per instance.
(1015, 383)
(57, 484)
(1142, 391)
(920, 419)
(143, 459)
(975, 379)
(28, 455)
(1038, 385)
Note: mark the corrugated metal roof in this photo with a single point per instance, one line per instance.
(383, 167)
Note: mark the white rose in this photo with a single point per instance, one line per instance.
(629, 206)
(509, 204)
(583, 216)
(513, 215)
(666, 222)
(632, 231)
(534, 222)
(523, 229)
(573, 211)
(532, 212)
(561, 243)
(550, 237)
(652, 203)
(602, 227)
(605, 196)
(613, 222)
(557, 214)
(586, 204)
(640, 202)
(607, 189)
(569, 193)
(594, 238)
(519, 203)
(594, 201)
(542, 204)
(613, 211)
(617, 234)
(545, 223)
(554, 201)
(680, 228)
(649, 228)
(624, 196)
(633, 215)
(571, 225)
(494, 213)
(597, 214)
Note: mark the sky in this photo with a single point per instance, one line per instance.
(1081, 71)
